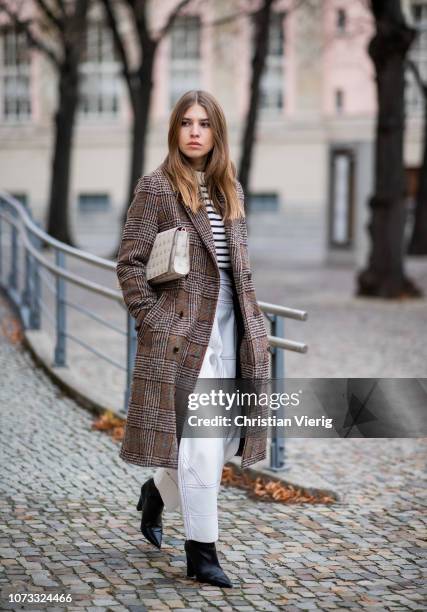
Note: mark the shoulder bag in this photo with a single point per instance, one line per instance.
(170, 256)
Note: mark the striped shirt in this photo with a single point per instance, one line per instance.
(217, 225)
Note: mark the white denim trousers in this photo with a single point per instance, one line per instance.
(195, 484)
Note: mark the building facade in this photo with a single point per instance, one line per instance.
(313, 158)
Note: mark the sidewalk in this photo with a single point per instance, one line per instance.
(70, 525)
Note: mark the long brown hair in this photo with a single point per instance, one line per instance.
(220, 171)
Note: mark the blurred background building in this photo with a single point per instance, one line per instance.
(312, 171)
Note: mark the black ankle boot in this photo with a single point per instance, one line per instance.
(151, 504)
(202, 561)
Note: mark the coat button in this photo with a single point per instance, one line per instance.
(181, 314)
(269, 349)
(249, 275)
(175, 349)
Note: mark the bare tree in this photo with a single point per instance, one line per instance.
(418, 242)
(262, 22)
(67, 24)
(384, 275)
(139, 80)
(262, 19)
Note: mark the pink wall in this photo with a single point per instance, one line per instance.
(343, 62)
(346, 64)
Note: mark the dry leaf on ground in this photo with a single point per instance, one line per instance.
(270, 490)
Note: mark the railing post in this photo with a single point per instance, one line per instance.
(1, 248)
(130, 357)
(14, 264)
(35, 287)
(277, 448)
(60, 348)
(26, 293)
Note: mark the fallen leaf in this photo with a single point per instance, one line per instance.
(270, 490)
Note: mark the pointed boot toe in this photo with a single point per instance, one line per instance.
(152, 534)
(151, 504)
(202, 562)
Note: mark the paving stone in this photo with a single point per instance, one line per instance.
(69, 523)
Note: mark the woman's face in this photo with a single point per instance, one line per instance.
(195, 128)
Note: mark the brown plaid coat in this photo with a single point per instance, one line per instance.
(174, 320)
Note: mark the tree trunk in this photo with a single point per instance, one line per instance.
(140, 97)
(68, 94)
(384, 276)
(258, 64)
(418, 242)
(141, 103)
(139, 85)
(58, 223)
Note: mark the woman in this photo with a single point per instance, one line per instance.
(205, 325)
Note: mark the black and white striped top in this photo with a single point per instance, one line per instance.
(217, 225)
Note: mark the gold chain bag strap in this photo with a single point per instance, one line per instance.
(170, 256)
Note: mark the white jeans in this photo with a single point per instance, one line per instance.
(195, 484)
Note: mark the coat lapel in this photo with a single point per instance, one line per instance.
(202, 224)
(232, 240)
(233, 246)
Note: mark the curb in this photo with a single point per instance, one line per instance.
(314, 485)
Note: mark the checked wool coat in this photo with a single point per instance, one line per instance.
(174, 320)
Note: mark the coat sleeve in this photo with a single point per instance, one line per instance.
(138, 237)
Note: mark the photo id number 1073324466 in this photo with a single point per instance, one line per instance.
(39, 597)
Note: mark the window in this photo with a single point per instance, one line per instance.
(272, 81)
(99, 74)
(418, 54)
(184, 57)
(15, 75)
(262, 202)
(341, 22)
(93, 202)
(341, 198)
(339, 100)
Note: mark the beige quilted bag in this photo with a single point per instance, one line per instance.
(170, 256)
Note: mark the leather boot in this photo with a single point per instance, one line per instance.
(151, 504)
(202, 561)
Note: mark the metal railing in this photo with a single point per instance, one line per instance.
(26, 235)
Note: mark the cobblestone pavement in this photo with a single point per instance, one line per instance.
(69, 523)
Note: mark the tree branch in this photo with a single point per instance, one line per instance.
(138, 9)
(251, 13)
(54, 19)
(416, 72)
(60, 4)
(112, 22)
(34, 41)
(170, 20)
